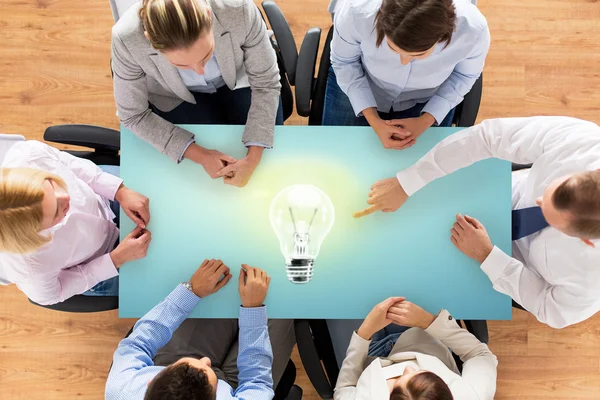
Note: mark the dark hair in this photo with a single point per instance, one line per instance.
(180, 382)
(415, 25)
(423, 386)
(580, 196)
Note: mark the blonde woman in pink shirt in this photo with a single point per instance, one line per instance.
(58, 224)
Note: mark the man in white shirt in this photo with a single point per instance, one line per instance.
(555, 272)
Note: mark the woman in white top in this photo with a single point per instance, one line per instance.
(415, 363)
(57, 235)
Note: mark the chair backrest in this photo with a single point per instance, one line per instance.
(119, 7)
(6, 142)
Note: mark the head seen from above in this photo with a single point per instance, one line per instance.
(181, 30)
(187, 379)
(412, 28)
(571, 204)
(419, 385)
(31, 200)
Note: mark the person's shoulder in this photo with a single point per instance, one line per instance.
(129, 25)
(22, 153)
(468, 18)
(358, 9)
(224, 6)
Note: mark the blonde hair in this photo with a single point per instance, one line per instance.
(21, 215)
(175, 24)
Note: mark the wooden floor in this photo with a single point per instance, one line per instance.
(54, 69)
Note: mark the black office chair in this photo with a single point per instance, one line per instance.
(310, 90)
(318, 357)
(285, 390)
(105, 145)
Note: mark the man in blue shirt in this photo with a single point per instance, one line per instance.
(199, 362)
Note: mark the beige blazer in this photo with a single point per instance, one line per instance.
(142, 75)
(361, 377)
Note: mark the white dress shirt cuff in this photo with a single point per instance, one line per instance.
(102, 269)
(495, 264)
(410, 180)
(439, 107)
(107, 185)
(192, 140)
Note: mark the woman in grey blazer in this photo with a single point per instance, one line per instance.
(197, 62)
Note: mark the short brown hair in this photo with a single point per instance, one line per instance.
(579, 195)
(423, 386)
(180, 381)
(175, 24)
(21, 214)
(415, 25)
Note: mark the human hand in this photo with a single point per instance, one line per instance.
(239, 174)
(135, 205)
(471, 238)
(377, 318)
(415, 126)
(211, 160)
(133, 247)
(253, 286)
(386, 195)
(210, 277)
(409, 314)
(392, 136)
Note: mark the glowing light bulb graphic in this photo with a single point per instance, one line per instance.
(301, 216)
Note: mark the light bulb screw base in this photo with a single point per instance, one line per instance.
(299, 270)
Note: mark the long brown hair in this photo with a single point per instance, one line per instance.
(175, 24)
(415, 25)
(423, 386)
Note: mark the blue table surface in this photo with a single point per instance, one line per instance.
(362, 261)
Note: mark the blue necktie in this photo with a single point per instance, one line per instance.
(527, 221)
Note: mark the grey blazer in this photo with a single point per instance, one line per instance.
(142, 75)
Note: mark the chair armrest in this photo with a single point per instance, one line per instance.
(84, 304)
(517, 167)
(318, 97)
(311, 360)
(469, 108)
(478, 328)
(305, 70)
(96, 137)
(284, 38)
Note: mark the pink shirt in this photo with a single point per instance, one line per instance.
(76, 258)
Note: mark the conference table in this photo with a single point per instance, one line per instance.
(361, 262)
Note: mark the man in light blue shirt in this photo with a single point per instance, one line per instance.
(409, 62)
(200, 358)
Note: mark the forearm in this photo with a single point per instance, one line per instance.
(554, 305)
(352, 367)
(255, 358)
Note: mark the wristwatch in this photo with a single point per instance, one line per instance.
(188, 286)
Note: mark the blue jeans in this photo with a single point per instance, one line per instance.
(383, 341)
(109, 287)
(225, 107)
(338, 110)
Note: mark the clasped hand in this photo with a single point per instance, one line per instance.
(395, 310)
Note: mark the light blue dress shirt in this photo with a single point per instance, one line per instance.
(207, 83)
(374, 77)
(133, 367)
